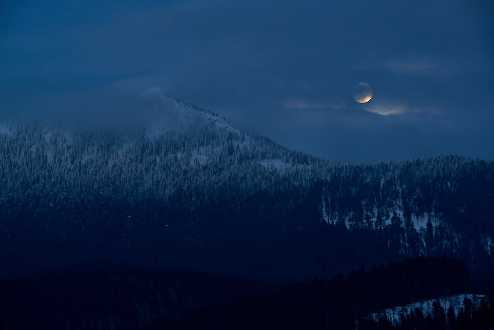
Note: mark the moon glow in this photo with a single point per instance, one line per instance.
(363, 93)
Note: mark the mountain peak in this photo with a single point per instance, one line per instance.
(174, 114)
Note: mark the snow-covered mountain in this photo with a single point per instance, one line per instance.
(192, 177)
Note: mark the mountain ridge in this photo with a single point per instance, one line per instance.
(205, 190)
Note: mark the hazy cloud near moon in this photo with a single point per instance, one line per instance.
(386, 109)
(305, 104)
(382, 108)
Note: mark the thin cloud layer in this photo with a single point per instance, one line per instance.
(306, 104)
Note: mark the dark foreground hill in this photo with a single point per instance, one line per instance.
(115, 297)
(106, 296)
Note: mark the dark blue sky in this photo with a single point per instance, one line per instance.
(283, 68)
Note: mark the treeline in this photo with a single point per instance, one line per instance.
(119, 298)
(333, 304)
(468, 317)
(108, 296)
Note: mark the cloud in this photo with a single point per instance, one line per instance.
(414, 66)
(426, 66)
(387, 109)
(384, 108)
(408, 66)
(305, 104)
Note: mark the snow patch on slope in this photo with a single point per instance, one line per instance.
(488, 244)
(375, 219)
(420, 221)
(395, 314)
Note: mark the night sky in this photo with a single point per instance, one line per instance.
(285, 69)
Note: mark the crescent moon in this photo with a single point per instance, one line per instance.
(363, 93)
(364, 99)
